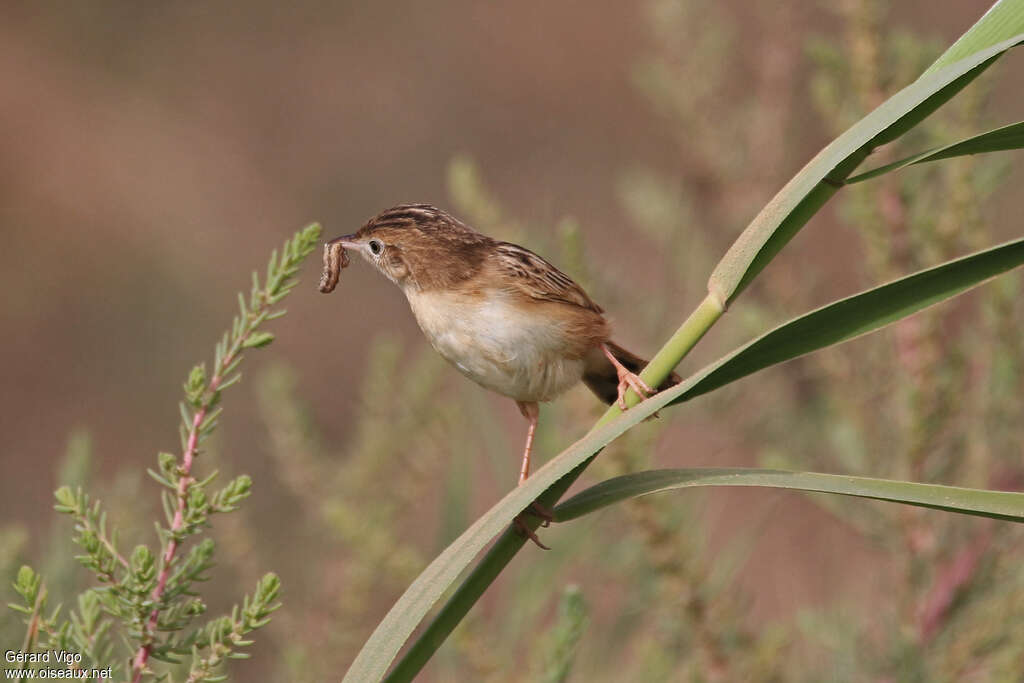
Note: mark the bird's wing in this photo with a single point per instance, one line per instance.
(535, 277)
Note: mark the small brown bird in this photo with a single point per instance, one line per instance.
(501, 314)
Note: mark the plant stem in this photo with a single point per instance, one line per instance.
(191, 448)
(82, 518)
(673, 351)
(509, 543)
(33, 627)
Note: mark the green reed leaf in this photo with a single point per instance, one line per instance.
(998, 140)
(816, 182)
(857, 315)
(1004, 505)
(1003, 20)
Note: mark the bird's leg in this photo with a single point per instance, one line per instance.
(531, 411)
(627, 379)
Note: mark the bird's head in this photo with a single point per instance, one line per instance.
(418, 246)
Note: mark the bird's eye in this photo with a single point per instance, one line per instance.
(375, 247)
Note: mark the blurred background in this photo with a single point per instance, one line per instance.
(154, 153)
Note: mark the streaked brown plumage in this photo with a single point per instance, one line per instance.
(504, 316)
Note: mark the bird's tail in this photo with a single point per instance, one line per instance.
(601, 377)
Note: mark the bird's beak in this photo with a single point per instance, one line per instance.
(348, 242)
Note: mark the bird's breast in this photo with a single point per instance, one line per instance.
(498, 343)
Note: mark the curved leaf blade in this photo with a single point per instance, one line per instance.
(816, 182)
(1004, 505)
(857, 315)
(998, 140)
(777, 346)
(1003, 20)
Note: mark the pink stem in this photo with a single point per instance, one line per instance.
(142, 656)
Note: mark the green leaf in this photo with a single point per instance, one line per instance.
(829, 325)
(1000, 139)
(1005, 505)
(65, 499)
(257, 339)
(816, 182)
(857, 315)
(27, 582)
(1003, 20)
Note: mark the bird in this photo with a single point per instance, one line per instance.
(502, 315)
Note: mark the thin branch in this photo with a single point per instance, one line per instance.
(107, 543)
(205, 399)
(33, 626)
(188, 457)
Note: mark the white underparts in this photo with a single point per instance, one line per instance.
(496, 344)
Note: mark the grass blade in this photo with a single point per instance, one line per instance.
(816, 182)
(1003, 20)
(857, 315)
(998, 140)
(1005, 505)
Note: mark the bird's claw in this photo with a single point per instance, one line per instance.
(542, 511)
(538, 510)
(629, 380)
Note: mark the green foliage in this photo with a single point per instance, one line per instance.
(149, 599)
(998, 140)
(928, 391)
(218, 640)
(854, 316)
(85, 632)
(816, 183)
(1002, 21)
(1004, 505)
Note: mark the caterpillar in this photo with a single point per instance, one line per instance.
(335, 258)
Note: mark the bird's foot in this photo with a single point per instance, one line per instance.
(629, 380)
(538, 510)
(541, 510)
